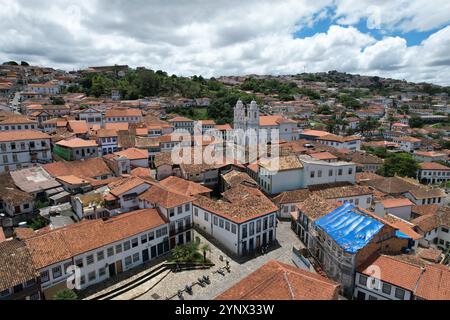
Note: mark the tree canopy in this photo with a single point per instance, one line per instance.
(401, 164)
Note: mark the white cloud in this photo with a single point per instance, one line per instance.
(226, 37)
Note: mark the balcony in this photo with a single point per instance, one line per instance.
(177, 231)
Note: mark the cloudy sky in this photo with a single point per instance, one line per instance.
(395, 38)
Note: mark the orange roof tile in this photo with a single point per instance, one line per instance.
(396, 203)
(133, 154)
(6, 136)
(278, 281)
(64, 243)
(77, 143)
(433, 166)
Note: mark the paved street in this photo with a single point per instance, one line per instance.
(170, 285)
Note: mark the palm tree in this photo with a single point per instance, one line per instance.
(66, 295)
(178, 253)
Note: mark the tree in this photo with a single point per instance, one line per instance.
(24, 64)
(416, 122)
(401, 164)
(66, 295)
(205, 248)
(39, 223)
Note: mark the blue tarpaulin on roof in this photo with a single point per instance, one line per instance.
(350, 229)
(400, 234)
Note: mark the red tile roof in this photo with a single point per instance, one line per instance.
(393, 271)
(6, 136)
(77, 143)
(433, 166)
(278, 281)
(396, 203)
(62, 244)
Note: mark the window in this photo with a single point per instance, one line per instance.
(445, 230)
(67, 265)
(227, 226)
(144, 239)
(82, 280)
(271, 221)
(164, 230)
(56, 271)
(5, 293)
(136, 257)
(102, 272)
(128, 261)
(266, 223)
(158, 233)
(45, 276)
(216, 221)
(244, 232)
(171, 212)
(118, 248)
(319, 173)
(126, 246)
(350, 171)
(79, 263)
(196, 212)
(221, 223)
(110, 251)
(252, 228)
(90, 259)
(387, 288)
(180, 210)
(206, 217)
(363, 280)
(151, 236)
(187, 207)
(340, 172)
(134, 242)
(313, 174)
(100, 255)
(91, 276)
(258, 226)
(399, 293)
(233, 228)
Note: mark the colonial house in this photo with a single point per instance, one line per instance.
(123, 194)
(386, 277)
(101, 248)
(408, 144)
(424, 195)
(242, 222)
(23, 150)
(338, 142)
(345, 238)
(19, 279)
(107, 140)
(299, 172)
(366, 162)
(282, 282)
(182, 123)
(431, 172)
(92, 116)
(287, 201)
(127, 115)
(176, 209)
(400, 208)
(430, 156)
(76, 149)
(435, 228)
(360, 196)
(17, 123)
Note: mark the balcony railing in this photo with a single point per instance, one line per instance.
(176, 231)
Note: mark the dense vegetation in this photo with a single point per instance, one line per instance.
(401, 164)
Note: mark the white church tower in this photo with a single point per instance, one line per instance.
(247, 119)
